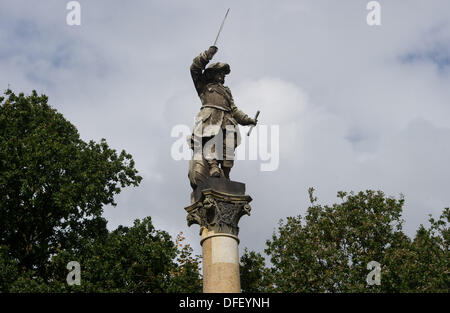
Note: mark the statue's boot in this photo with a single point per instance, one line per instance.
(226, 172)
(214, 170)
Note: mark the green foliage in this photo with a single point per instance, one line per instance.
(138, 259)
(53, 187)
(255, 276)
(328, 249)
(185, 275)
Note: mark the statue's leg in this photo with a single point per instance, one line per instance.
(226, 172)
(198, 172)
(214, 169)
(226, 168)
(211, 156)
(228, 152)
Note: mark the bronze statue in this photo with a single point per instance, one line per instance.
(217, 203)
(216, 122)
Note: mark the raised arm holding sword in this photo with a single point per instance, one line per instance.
(217, 114)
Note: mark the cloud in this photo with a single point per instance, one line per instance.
(358, 106)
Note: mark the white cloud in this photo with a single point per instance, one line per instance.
(353, 113)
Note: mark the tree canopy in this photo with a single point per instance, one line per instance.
(53, 188)
(328, 250)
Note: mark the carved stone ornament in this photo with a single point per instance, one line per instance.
(218, 211)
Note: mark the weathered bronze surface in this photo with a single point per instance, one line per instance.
(217, 122)
(218, 204)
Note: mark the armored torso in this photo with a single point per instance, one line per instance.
(216, 96)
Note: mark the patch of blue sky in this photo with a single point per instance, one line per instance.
(25, 30)
(21, 37)
(438, 54)
(38, 79)
(18, 34)
(362, 140)
(355, 138)
(61, 56)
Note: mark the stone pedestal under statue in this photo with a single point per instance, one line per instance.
(217, 206)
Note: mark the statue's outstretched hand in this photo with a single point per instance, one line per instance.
(211, 51)
(249, 121)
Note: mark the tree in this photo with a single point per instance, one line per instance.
(185, 276)
(137, 259)
(255, 276)
(53, 187)
(328, 250)
(424, 265)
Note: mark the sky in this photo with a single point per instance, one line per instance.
(358, 107)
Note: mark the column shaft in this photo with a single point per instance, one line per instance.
(220, 262)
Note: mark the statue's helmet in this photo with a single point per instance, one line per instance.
(212, 69)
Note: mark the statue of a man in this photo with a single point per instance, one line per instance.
(218, 116)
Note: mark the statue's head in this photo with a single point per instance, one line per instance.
(215, 73)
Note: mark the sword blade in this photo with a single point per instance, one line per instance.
(251, 127)
(221, 26)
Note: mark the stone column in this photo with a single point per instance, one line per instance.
(217, 207)
(220, 262)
